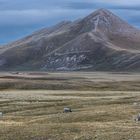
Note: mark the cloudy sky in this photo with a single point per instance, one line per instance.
(19, 18)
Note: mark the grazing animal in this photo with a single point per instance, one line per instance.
(135, 104)
(66, 110)
(137, 118)
(1, 114)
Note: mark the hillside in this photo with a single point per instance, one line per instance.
(101, 41)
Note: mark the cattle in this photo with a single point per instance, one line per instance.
(67, 109)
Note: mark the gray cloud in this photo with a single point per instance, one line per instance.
(19, 18)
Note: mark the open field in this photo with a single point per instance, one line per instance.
(103, 106)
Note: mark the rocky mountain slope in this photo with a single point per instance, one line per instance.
(100, 41)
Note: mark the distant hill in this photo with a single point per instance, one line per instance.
(101, 41)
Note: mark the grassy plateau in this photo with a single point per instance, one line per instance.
(103, 106)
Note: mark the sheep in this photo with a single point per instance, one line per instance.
(137, 118)
(1, 114)
(135, 103)
(66, 110)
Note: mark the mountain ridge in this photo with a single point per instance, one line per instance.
(100, 41)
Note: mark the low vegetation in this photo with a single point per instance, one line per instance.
(103, 106)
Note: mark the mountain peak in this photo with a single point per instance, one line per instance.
(104, 20)
(102, 10)
(100, 41)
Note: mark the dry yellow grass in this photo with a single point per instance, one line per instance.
(97, 113)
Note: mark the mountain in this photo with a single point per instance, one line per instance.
(101, 41)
